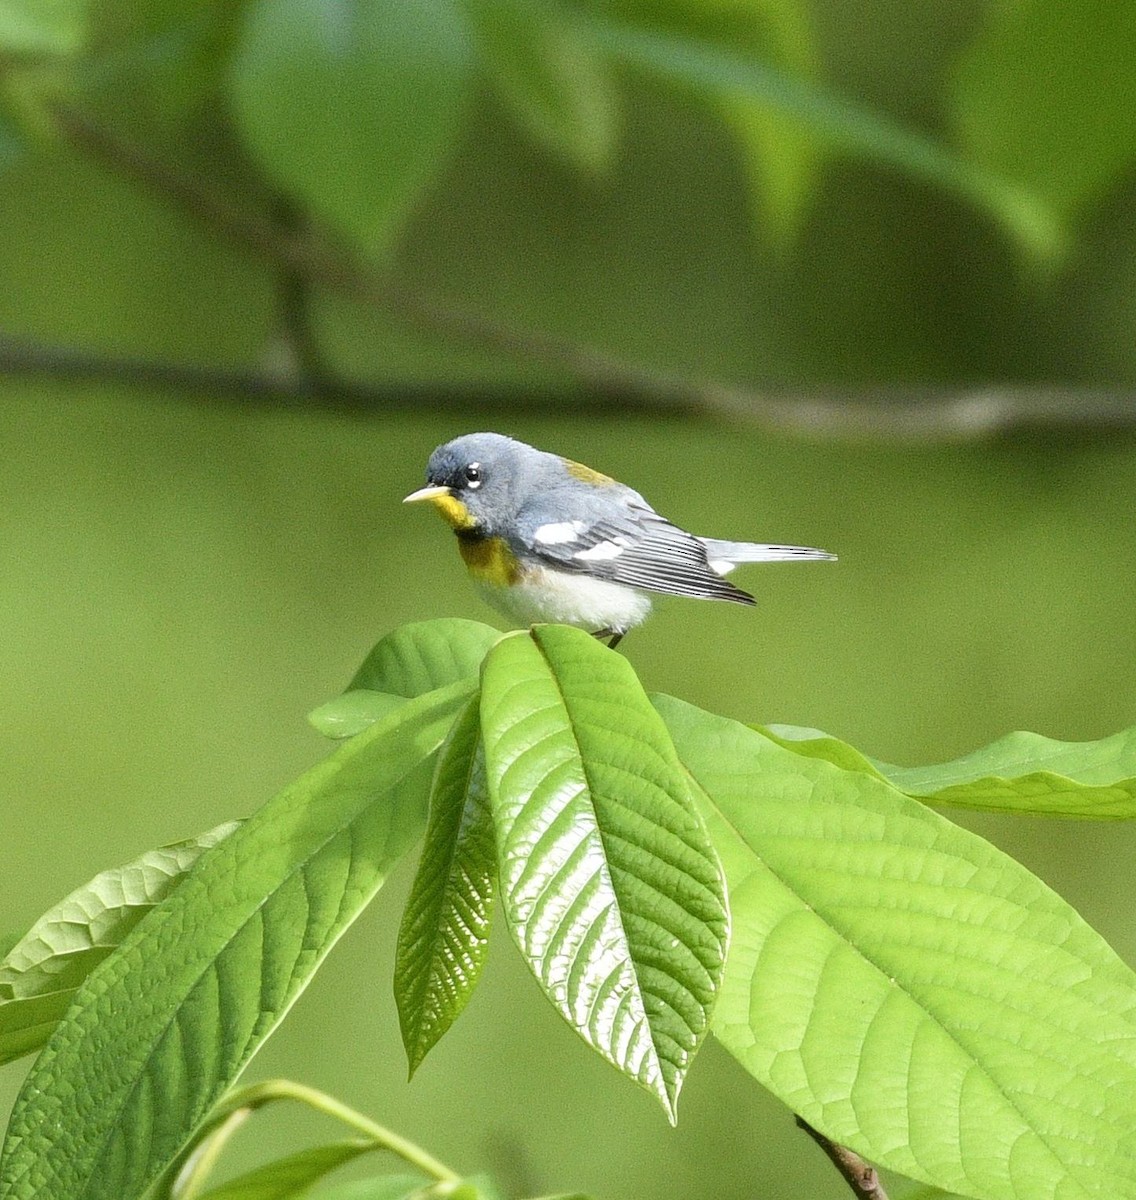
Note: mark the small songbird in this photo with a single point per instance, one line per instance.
(548, 539)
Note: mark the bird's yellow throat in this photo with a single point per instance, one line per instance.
(490, 560)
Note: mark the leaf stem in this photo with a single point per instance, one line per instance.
(232, 1112)
(387, 1139)
(860, 1176)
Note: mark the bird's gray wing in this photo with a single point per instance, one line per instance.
(635, 547)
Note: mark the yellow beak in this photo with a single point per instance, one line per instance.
(427, 493)
(444, 500)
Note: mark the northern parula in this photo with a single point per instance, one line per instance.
(548, 539)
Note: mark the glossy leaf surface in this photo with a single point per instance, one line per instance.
(351, 713)
(163, 1027)
(1021, 772)
(608, 880)
(444, 936)
(909, 989)
(424, 655)
(40, 973)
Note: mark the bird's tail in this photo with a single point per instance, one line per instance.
(724, 556)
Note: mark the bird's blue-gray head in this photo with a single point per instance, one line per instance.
(475, 481)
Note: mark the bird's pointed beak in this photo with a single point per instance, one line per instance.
(427, 493)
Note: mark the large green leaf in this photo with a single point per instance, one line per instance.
(444, 936)
(41, 971)
(551, 77)
(1044, 97)
(609, 882)
(424, 655)
(909, 989)
(352, 105)
(838, 124)
(1021, 772)
(409, 661)
(163, 1026)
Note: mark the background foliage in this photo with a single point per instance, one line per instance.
(187, 571)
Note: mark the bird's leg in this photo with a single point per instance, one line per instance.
(615, 636)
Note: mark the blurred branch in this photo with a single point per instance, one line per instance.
(600, 378)
(860, 1176)
(878, 414)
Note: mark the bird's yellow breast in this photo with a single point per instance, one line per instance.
(490, 560)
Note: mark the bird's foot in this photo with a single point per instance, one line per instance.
(615, 636)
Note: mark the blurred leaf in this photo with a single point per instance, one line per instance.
(910, 990)
(551, 77)
(152, 62)
(7, 941)
(424, 655)
(42, 26)
(1044, 97)
(354, 711)
(609, 882)
(381, 1187)
(42, 970)
(779, 154)
(161, 1028)
(444, 936)
(11, 144)
(839, 124)
(1021, 772)
(352, 105)
(295, 1175)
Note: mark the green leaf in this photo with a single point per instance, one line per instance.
(295, 1175)
(910, 990)
(352, 105)
(444, 936)
(839, 124)
(37, 27)
(354, 711)
(380, 1187)
(161, 1028)
(42, 970)
(1021, 772)
(552, 78)
(609, 882)
(1043, 97)
(424, 655)
(7, 941)
(780, 156)
(410, 661)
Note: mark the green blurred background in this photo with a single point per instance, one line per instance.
(184, 574)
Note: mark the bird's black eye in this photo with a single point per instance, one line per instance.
(473, 475)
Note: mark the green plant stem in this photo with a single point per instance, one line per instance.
(860, 1176)
(238, 1106)
(595, 376)
(413, 1155)
(190, 1179)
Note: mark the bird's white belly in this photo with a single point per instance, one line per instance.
(565, 599)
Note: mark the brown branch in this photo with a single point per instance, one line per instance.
(894, 414)
(860, 1176)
